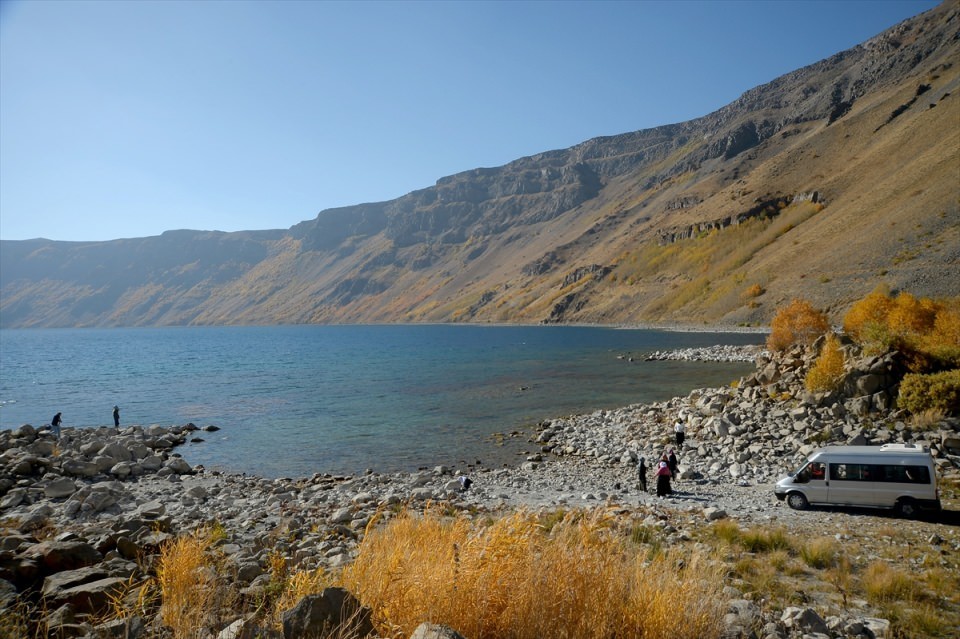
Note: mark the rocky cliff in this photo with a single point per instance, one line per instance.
(822, 183)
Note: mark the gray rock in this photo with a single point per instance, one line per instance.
(334, 609)
(60, 488)
(435, 631)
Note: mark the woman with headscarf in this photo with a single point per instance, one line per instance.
(663, 477)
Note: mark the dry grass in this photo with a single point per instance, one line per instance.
(512, 578)
(819, 553)
(883, 583)
(187, 578)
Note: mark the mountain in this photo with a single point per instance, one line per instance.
(824, 183)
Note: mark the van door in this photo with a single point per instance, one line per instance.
(850, 484)
(814, 478)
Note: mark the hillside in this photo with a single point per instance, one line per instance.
(823, 183)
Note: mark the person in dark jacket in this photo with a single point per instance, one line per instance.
(673, 463)
(55, 424)
(642, 472)
(116, 417)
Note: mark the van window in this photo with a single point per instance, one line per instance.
(906, 474)
(851, 472)
(880, 472)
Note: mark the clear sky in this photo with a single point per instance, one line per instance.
(129, 118)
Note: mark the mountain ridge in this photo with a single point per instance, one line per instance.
(858, 154)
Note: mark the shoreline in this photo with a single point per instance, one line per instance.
(124, 493)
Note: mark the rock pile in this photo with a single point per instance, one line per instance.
(116, 496)
(721, 353)
(761, 427)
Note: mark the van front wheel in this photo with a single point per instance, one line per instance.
(906, 508)
(797, 501)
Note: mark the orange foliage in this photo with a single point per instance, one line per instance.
(796, 323)
(867, 315)
(927, 331)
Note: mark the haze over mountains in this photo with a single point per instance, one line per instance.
(824, 183)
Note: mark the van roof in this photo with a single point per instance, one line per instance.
(908, 449)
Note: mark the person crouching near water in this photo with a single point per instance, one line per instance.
(642, 472)
(663, 478)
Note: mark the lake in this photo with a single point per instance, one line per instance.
(296, 400)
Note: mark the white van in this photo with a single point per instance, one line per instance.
(900, 476)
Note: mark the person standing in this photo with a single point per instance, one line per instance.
(679, 431)
(673, 464)
(642, 472)
(116, 417)
(663, 478)
(55, 424)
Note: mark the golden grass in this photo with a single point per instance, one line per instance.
(765, 540)
(819, 553)
(187, 580)
(883, 583)
(513, 578)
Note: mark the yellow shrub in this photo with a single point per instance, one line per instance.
(754, 290)
(869, 315)
(827, 373)
(911, 316)
(943, 341)
(926, 331)
(935, 391)
(797, 323)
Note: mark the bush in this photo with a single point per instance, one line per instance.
(934, 391)
(926, 331)
(866, 321)
(797, 323)
(827, 372)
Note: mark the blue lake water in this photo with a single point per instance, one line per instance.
(296, 400)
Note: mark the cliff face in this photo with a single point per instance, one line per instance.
(823, 184)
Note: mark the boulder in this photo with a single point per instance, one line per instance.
(57, 556)
(333, 610)
(435, 631)
(59, 488)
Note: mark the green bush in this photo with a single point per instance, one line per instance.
(936, 391)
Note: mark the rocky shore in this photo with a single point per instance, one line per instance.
(78, 512)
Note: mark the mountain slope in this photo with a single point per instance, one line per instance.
(823, 183)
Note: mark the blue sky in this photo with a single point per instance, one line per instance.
(126, 119)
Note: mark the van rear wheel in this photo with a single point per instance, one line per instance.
(906, 507)
(797, 501)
